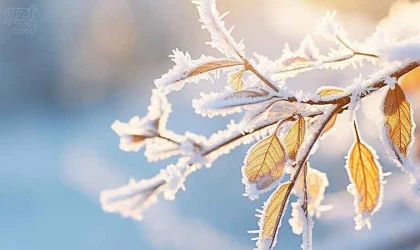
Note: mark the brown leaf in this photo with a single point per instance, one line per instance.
(264, 163)
(213, 66)
(295, 137)
(272, 215)
(365, 174)
(138, 138)
(236, 80)
(398, 120)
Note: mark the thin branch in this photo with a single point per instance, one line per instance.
(341, 105)
(353, 54)
(168, 139)
(248, 66)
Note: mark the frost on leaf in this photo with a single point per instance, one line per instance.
(398, 121)
(228, 102)
(188, 70)
(133, 199)
(329, 91)
(271, 217)
(221, 38)
(139, 131)
(213, 65)
(302, 224)
(294, 138)
(365, 174)
(330, 28)
(263, 166)
(307, 54)
(236, 81)
(316, 183)
(174, 177)
(325, 92)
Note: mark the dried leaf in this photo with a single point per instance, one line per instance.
(327, 91)
(365, 174)
(330, 124)
(236, 80)
(271, 216)
(398, 120)
(297, 60)
(264, 163)
(295, 137)
(410, 82)
(418, 143)
(213, 66)
(248, 93)
(138, 138)
(316, 182)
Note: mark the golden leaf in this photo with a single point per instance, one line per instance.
(273, 213)
(295, 137)
(264, 163)
(410, 82)
(398, 120)
(236, 80)
(327, 91)
(206, 67)
(316, 182)
(418, 142)
(365, 174)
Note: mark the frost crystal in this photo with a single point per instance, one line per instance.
(258, 92)
(182, 72)
(390, 81)
(138, 132)
(329, 27)
(133, 199)
(221, 38)
(133, 135)
(174, 179)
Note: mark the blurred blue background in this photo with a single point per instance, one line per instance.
(91, 62)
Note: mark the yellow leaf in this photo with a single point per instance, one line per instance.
(206, 67)
(365, 174)
(264, 163)
(410, 82)
(236, 80)
(327, 91)
(272, 215)
(316, 182)
(295, 137)
(330, 124)
(398, 120)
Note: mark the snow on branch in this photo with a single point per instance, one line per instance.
(221, 38)
(188, 70)
(286, 125)
(133, 199)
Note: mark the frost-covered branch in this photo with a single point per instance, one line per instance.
(285, 124)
